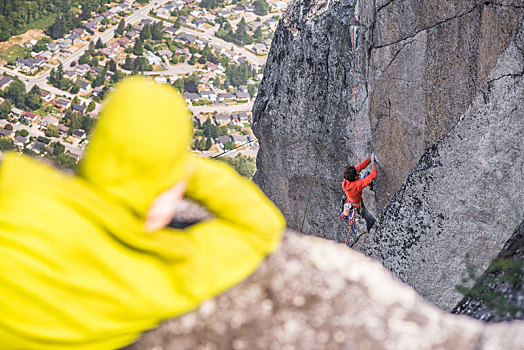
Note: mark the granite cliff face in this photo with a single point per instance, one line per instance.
(315, 294)
(432, 71)
(419, 67)
(465, 196)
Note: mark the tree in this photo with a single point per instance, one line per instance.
(229, 145)
(33, 101)
(60, 72)
(91, 106)
(174, 59)
(75, 88)
(5, 109)
(16, 93)
(179, 84)
(156, 30)
(41, 45)
(117, 76)
(76, 100)
(138, 49)
(100, 79)
(261, 7)
(22, 132)
(58, 149)
(121, 27)
(145, 34)
(245, 166)
(84, 58)
(112, 65)
(57, 29)
(209, 143)
(35, 90)
(91, 48)
(6, 144)
(51, 131)
(99, 44)
(252, 89)
(257, 34)
(192, 60)
(128, 63)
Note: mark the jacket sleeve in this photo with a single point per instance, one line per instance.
(227, 248)
(363, 165)
(368, 179)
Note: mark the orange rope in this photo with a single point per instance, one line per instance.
(354, 101)
(354, 88)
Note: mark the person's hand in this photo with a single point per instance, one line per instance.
(164, 206)
(373, 167)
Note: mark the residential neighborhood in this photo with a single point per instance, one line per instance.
(212, 54)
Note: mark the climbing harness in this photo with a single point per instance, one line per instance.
(329, 112)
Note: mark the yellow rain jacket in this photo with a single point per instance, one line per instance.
(77, 269)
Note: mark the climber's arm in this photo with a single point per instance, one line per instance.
(368, 179)
(362, 165)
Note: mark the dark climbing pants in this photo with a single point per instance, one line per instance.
(370, 220)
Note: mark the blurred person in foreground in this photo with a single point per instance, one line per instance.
(88, 262)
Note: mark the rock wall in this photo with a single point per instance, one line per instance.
(419, 66)
(465, 196)
(315, 294)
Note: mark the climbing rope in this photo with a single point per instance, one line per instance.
(327, 116)
(231, 150)
(354, 86)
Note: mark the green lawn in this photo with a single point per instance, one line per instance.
(13, 52)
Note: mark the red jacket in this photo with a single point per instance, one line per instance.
(353, 189)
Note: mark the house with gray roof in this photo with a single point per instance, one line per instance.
(78, 108)
(62, 103)
(187, 38)
(222, 140)
(222, 119)
(20, 141)
(241, 95)
(29, 64)
(5, 132)
(5, 81)
(38, 147)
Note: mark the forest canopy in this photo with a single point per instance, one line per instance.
(16, 15)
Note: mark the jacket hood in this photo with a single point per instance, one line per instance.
(141, 143)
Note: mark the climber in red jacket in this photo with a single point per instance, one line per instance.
(353, 186)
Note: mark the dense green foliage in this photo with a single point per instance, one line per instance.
(5, 108)
(15, 15)
(57, 79)
(240, 36)
(17, 95)
(239, 74)
(211, 4)
(6, 144)
(261, 7)
(245, 166)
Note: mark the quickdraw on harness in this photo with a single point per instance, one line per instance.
(349, 213)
